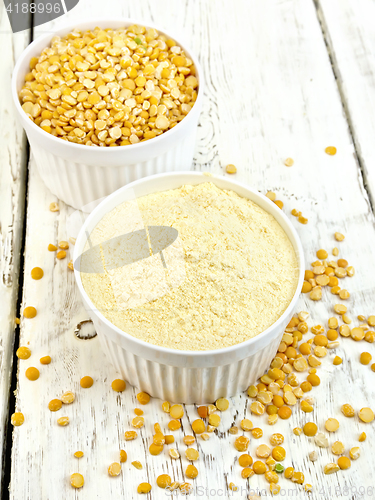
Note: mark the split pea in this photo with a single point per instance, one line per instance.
(143, 398)
(17, 419)
(23, 353)
(86, 382)
(32, 373)
(332, 425)
(29, 312)
(144, 488)
(37, 273)
(77, 480)
(231, 169)
(366, 415)
(118, 385)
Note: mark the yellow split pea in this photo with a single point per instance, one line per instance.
(331, 150)
(348, 410)
(259, 467)
(231, 169)
(192, 454)
(144, 488)
(37, 273)
(366, 415)
(289, 162)
(68, 397)
(86, 382)
(310, 429)
(169, 439)
(17, 419)
(176, 411)
(138, 422)
(118, 385)
(114, 469)
(365, 358)
(191, 471)
(331, 468)
(338, 448)
(155, 449)
(189, 440)
(362, 437)
(77, 480)
(198, 426)
(61, 254)
(276, 439)
(263, 451)
(354, 453)
(130, 435)
(23, 353)
(174, 425)
(45, 360)
(245, 460)
(123, 456)
(143, 398)
(32, 373)
(344, 463)
(29, 312)
(159, 439)
(163, 481)
(63, 421)
(214, 420)
(332, 425)
(55, 405)
(242, 443)
(222, 404)
(279, 453)
(54, 207)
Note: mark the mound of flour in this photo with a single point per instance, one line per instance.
(240, 271)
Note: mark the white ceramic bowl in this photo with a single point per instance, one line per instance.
(187, 376)
(80, 175)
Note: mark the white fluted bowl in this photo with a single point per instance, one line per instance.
(187, 376)
(78, 174)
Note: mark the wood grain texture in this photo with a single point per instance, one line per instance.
(271, 94)
(349, 33)
(12, 190)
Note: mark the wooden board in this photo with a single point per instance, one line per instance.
(271, 93)
(349, 33)
(12, 191)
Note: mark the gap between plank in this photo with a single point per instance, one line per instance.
(8, 441)
(336, 72)
(7, 462)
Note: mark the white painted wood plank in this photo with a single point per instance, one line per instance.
(270, 94)
(12, 178)
(349, 31)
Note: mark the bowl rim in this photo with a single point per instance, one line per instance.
(297, 246)
(96, 22)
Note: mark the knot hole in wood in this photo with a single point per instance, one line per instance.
(85, 330)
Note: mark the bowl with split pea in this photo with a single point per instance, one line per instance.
(105, 106)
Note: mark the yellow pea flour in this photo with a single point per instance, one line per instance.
(241, 271)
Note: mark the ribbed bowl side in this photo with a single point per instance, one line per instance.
(79, 184)
(188, 385)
